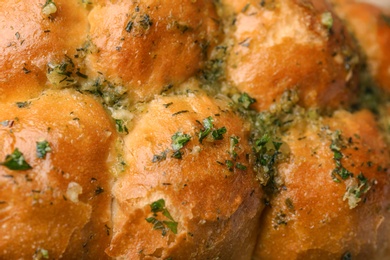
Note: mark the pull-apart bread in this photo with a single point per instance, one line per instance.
(194, 129)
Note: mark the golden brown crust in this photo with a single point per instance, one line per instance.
(114, 87)
(151, 46)
(30, 40)
(216, 209)
(371, 26)
(284, 45)
(41, 208)
(310, 218)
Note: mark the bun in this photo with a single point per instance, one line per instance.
(194, 130)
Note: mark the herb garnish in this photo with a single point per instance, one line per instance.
(43, 147)
(164, 225)
(267, 152)
(160, 157)
(23, 104)
(246, 100)
(179, 139)
(356, 187)
(208, 127)
(16, 161)
(121, 126)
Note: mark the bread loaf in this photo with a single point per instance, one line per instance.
(194, 129)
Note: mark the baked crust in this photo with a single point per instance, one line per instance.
(42, 207)
(217, 209)
(193, 129)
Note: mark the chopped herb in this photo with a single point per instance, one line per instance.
(267, 154)
(355, 189)
(164, 225)
(81, 75)
(327, 20)
(214, 68)
(218, 133)
(166, 88)
(43, 147)
(177, 155)
(121, 126)
(208, 128)
(233, 145)
(99, 190)
(180, 112)
(182, 27)
(129, 26)
(61, 74)
(179, 139)
(16, 161)
(246, 100)
(280, 219)
(23, 104)
(159, 157)
(241, 166)
(25, 70)
(168, 104)
(145, 22)
(229, 165)
(340, 170)
(207, 125)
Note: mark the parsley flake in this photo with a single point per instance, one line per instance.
(246, 100)
(43, 147)
(163, 225)
(179, 139)
(208, 127)
(16, 161)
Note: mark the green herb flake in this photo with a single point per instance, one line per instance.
(229, 165)
(179, 139)
(157, 206)
(233, 145)
(163, 225)
(241, 166)
(159, 157)
(207, 126)
(121, 126)
(177, 155)
(22, 104)
(42, 148)
(246, 100)
(16, 161)
(218, 134)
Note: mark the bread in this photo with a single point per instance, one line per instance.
(194, 129)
